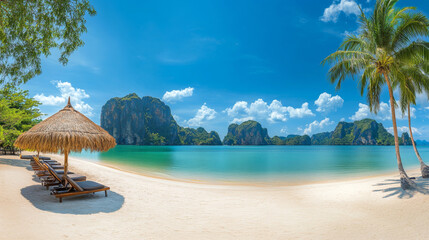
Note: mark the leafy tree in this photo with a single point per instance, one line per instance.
(31, 29)
(1, 135)
(156, 139)
(18, 113)
(384, 43)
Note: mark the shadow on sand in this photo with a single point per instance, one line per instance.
(19, 163)
(16, 163)
(392, 187)
(79, 205)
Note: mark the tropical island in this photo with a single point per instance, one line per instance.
(132, 120)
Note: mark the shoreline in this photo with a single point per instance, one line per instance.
(158, 175)
(143, 207)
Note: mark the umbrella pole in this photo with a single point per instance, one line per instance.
(66, 164)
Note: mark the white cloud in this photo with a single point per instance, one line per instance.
(203, 114)
(259, 109)
(300, 112)
(284, 130)
(177, 95)
(383, 114)
(67, 90)
(50, 100)
(405, 129)
(342, 119)
(363, 112)
(315, 125)
(332, 13)
(239, 108)
(240, 120)
(327, 103)
(278, 112)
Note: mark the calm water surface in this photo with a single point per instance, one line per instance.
(258, 163)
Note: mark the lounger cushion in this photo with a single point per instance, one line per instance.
(50, 161)
(53, 163)
(57, 167)
(74, 177)
(62, 172)
(90, 185)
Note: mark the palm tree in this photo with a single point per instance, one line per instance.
(414, 80)
(384, 43)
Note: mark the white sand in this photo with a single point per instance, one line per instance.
(140, 207)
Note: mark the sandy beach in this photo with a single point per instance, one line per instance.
(140, 207)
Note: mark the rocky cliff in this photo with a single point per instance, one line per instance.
(363, 132)
(247, 133)
(132, 120)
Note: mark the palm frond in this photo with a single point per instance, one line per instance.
(415, 51)
(410, 27)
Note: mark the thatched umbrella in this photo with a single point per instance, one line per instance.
(66, 131)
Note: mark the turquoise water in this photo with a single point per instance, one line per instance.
(258, 163)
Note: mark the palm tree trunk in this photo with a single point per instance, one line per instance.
(423, 167)
(406, 182)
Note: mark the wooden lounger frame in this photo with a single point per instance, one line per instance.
(40, 168)
(45, 170)
(78, 190)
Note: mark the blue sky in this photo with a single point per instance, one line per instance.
(218, 62)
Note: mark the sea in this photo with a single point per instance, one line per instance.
(257, 164)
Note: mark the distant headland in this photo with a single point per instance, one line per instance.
(132, 120)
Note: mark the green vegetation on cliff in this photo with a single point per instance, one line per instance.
(247, 133)
(291, 140)
(363, 132)
(148, 121)
(199, 136)
(132, 120)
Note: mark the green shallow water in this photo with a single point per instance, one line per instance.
(257, 163)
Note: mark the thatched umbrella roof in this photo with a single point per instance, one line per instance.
(67, 131)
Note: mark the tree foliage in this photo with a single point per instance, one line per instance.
(388, 39)
(18, 113)
(199, 136)
(31, 29)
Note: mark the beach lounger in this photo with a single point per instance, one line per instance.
(30, 157)
(36, 163)
(41, 170)
(36, 167)
(55, 179)
(74, 188)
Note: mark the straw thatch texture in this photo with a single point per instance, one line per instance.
(67, 130)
